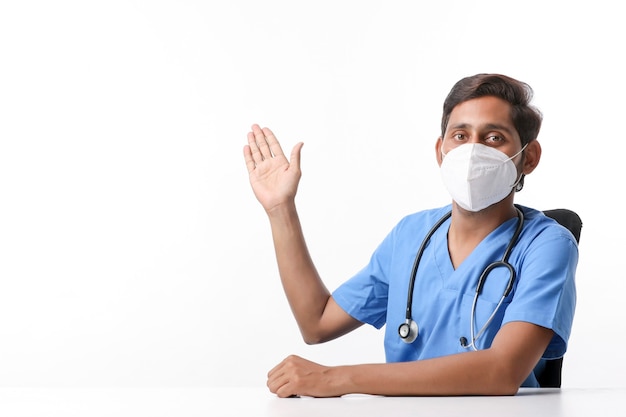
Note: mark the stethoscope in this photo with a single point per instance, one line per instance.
(409, 330)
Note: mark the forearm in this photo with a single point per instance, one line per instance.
(499, 370)
(305, 291)
(470, 373)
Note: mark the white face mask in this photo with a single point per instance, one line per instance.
(478, 176)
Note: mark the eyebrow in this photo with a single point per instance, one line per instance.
(488, 126)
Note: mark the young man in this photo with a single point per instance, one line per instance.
(429, 268)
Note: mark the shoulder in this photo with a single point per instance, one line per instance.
(544, 241)
(539, 225)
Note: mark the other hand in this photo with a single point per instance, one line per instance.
(296, 376)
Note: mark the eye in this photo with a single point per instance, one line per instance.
(458, 136)
(494, 138)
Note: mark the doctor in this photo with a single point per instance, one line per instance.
(456, 343)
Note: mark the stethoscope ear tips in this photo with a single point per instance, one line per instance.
(408, 331)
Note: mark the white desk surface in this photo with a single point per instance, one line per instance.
(259, 402)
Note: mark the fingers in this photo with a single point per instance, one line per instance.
(260, 141)
(273, 145)
(247, 156)
(276, 380)
(295, 155)
(263, 145)
(253, 151)
(279, 378)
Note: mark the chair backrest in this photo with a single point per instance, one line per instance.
(548, 372)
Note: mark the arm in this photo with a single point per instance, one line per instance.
(499, 370)
(274, 180)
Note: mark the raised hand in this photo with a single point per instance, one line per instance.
(274, 179)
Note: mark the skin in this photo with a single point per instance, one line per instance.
(499, 370)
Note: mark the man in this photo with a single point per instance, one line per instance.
(468, 342)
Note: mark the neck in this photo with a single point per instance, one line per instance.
(468, 229)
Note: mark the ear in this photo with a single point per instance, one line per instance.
(532, 156)
(438, 145)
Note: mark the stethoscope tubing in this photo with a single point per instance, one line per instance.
(418, 258)
(408, 330)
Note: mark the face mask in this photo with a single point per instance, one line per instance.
(478, 176)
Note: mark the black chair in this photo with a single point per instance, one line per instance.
(548, 372)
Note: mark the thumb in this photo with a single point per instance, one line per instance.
(294, 160)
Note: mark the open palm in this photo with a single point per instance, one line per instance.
(273, 178)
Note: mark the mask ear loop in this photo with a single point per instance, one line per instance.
(519, 184)
(520, 151)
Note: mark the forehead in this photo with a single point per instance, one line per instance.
(482, 111)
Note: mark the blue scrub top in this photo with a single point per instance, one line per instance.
(544, 258)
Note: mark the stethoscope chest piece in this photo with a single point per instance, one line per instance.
(408, 331)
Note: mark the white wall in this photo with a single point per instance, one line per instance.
(132, 251)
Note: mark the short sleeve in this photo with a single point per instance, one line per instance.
(364, 296)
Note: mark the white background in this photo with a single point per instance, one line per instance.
(132, 250)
